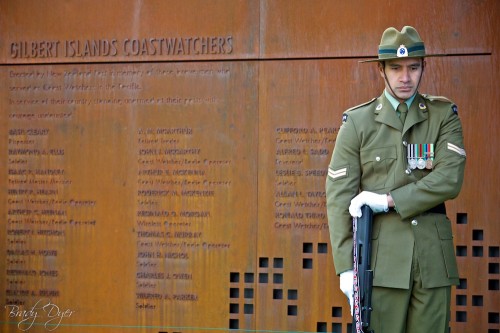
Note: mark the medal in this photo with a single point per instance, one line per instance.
(429, 156)
(413, 164)
(428, 164)
(420, 156)
(410, 152)
(414, 156)
(421, 163)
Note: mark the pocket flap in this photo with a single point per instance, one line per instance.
(444, 229)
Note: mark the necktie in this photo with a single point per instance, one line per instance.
(403, 111)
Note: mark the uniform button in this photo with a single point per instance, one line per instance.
(377, 158)
(414, 222)
(405, 143)
(407, 171)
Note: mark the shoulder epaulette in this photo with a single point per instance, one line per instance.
(431, 98)
(437, 98)
(360, 105)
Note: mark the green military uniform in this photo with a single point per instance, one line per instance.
(371, 154)
(372, 149)
(420, 165)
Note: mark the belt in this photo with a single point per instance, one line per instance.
(439, 209)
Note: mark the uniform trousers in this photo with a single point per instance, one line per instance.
(413, 310)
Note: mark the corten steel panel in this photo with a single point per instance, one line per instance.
(130, 194)
(323, 28)
(109, 31)
(277, 273)
(295, 140)
(300, 291)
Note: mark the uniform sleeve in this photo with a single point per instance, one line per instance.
(342, 184)
(446, 178)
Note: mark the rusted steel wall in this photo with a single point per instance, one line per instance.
(164, 162)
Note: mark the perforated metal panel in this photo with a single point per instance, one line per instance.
(164, 162)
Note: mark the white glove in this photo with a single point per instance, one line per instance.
(346, 285)
(377, 202)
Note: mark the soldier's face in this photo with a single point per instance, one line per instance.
(403, 76)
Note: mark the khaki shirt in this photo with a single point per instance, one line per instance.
(370, 154)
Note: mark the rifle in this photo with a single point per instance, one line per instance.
(363, 274)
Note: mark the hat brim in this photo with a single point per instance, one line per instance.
(409, 57)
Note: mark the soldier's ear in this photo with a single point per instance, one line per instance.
(381, 68)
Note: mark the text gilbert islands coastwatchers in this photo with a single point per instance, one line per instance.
(129, 47)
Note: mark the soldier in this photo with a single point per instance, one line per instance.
(402, 154)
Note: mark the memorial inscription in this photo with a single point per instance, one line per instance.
(165, 234)
(99, 151)
(301, 153)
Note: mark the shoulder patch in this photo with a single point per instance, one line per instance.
(454, 108)
(361, 105)
(344, 118)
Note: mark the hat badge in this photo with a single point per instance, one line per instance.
(402, 51)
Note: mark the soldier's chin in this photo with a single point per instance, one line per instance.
(405, 94)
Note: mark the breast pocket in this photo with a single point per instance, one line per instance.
(378, 167)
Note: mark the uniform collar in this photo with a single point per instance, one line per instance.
(394, 102)
(384, 111)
